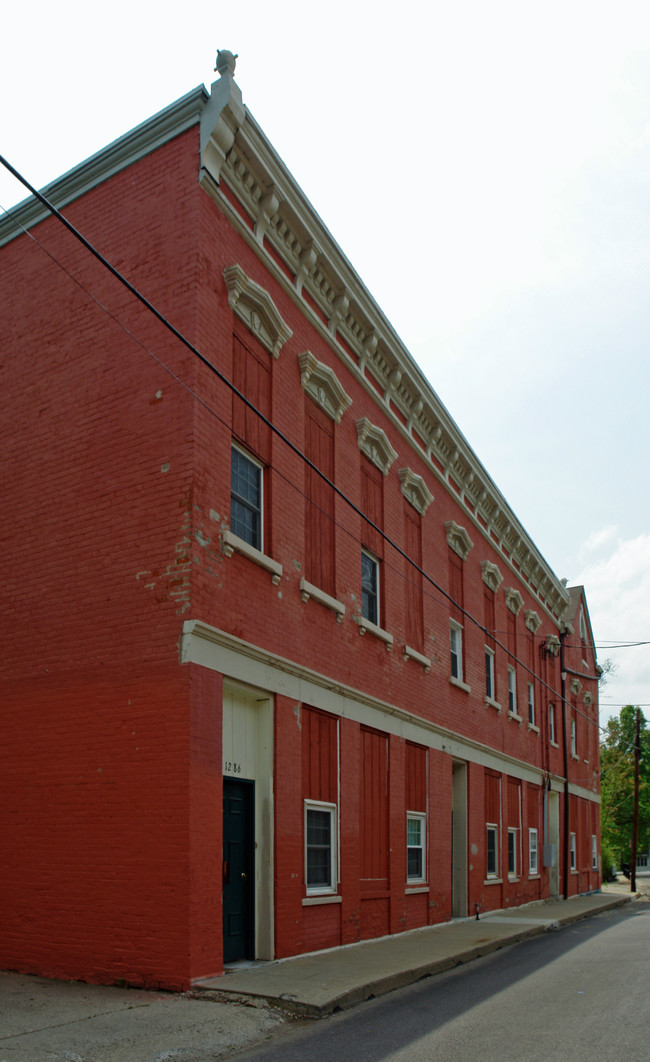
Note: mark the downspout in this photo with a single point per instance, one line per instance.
(565, 876)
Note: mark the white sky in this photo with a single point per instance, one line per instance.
(486, 169)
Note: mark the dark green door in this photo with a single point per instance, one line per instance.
(238, 869)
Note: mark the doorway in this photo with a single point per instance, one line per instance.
(459, 840)
(238, 870)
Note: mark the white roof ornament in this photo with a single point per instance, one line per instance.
(225, 63)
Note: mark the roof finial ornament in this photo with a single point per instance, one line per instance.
(225, 63)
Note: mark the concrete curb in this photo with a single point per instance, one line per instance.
(258, 983)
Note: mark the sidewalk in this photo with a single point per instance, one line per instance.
(326, 981)
(62, 1021)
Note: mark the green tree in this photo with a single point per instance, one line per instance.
(617, 785)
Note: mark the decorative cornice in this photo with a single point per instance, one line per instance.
(458, 539)
(575, 686)
(274, 216)
(514, 600)
(415, 490)
(373, 442)
(255, 307)
(332, 296)
(321, 383)
(533, 622)
(492, 577)
(588, 699)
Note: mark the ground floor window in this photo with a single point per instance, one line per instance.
(320, 847)
(512, 853)
(594, 852)
(572, 846)
(533, 865)
(492, 851)
(415, 846)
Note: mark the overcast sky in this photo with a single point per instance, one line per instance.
(486, 169)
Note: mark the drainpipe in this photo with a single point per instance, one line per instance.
(566, 847)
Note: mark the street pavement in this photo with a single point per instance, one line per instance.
(53, 1021)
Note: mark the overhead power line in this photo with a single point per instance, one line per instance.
(250, 405)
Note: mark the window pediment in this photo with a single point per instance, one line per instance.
(533, 622)
(415, 490)
(492, 577)
(374, 443)
(514, 600)
(458, 539)
(553, 644)
(255, 307)
(321, 383)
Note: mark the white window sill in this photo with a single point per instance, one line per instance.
(574, 757)
(491, 703)
(513, 878)
(555, 744)
(459, 684)
(534, 877)
(516, 718)
(493, 881)
(308, 590)
(232, 543)
(311, 901)
(535, 729)
(378, 632)
(411, 890)
(412, 654)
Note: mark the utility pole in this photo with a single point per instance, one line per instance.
(635, 821)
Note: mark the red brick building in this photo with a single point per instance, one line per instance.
(282, 668)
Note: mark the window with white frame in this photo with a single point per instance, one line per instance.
(551, 722)
(492, 851)
(512, 852)
(320, 847)
(594, 852)
(370, 587)
(573, 738)
(456, 648)
(512, 691)
(416, 838)
(246, 486)
(531, 704)
(572, 848)
(489, 674)
(533, 865)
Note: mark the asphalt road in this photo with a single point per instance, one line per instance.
(577, 995)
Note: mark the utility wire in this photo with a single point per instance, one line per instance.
(250, 405)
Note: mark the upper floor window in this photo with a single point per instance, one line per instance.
(551, 722)
(370, 587)
(574, 751)
(512, 691)
(246, 486)
(531, 704)
(489, 674)
(456, 650)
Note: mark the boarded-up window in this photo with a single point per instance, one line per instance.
(512, 634)
(416, 777)
(319, 756)
(514, 808)
(251, 376)
(456, 586)
(492, 797)
(489, 621)
(319, 500)
(372, 505)
(414, 609)
(373, 825)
